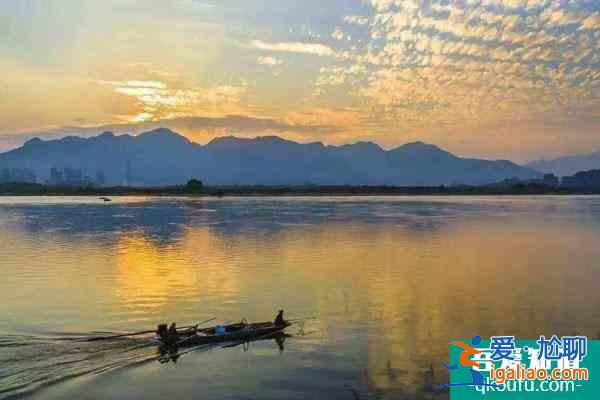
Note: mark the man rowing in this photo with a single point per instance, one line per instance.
(168, 335)
(279, 321)
(173, 335)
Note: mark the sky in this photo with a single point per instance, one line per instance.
(497, 79)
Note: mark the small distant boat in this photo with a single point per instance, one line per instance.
(105, 199)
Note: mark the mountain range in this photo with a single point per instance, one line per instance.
(163, 157)
(569, 165)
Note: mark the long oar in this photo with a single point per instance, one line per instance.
(300, 319)
(94, 339)
(198, 324)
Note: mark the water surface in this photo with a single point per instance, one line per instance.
(389, 280)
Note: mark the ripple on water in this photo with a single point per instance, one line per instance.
(389, 280)
(30, 362)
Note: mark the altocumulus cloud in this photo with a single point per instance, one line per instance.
(424, 63)
(158, 100)
(269, 61)
(293, 47)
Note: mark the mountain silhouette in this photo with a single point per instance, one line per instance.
(163, 157)
(570, 165)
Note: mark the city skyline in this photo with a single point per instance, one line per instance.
(513, 79)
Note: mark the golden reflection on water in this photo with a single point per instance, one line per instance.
(166, 275)
(388, 296)
(411, 292)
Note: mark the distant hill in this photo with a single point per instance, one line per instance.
(583, 179)
(569, 165)
(163, 157)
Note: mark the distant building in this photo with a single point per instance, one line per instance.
(128, 178)
(100, 178)
(69, 177)
(87, 181)
(5, 175)
(56, 177)
(17, 175)
(73, 177)
(24, 175)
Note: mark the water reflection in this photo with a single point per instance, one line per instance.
(390, 281)
(159, 275)
(172, 354)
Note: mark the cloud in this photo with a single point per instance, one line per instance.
(158, 100)
(356, 19)
(220, 94)
(591, 22)
(426, 64)
(412, 67)
(196, 128)
(144, 84)
(294, 47)
(338, 34)
(269, 61)
(338, 75)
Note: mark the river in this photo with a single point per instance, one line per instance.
(388, 282)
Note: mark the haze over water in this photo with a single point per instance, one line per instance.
(389, 280)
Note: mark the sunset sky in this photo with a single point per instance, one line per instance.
(516, 79)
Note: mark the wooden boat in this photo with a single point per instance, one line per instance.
(172, 353)
(239, 332)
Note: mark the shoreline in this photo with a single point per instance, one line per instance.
(29, 189)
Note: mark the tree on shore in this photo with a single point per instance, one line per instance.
(194, 186)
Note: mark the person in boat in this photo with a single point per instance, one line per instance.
(173, 335)
(279, 321)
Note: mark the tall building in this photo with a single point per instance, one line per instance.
(56, 177)
(18, 175)
(100, 178)
(73, 177)
(128, 173)
(5, 175)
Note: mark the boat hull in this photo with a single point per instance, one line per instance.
(233, 333)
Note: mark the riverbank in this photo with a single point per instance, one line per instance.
(32, 189)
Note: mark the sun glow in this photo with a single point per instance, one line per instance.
(497, 79)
